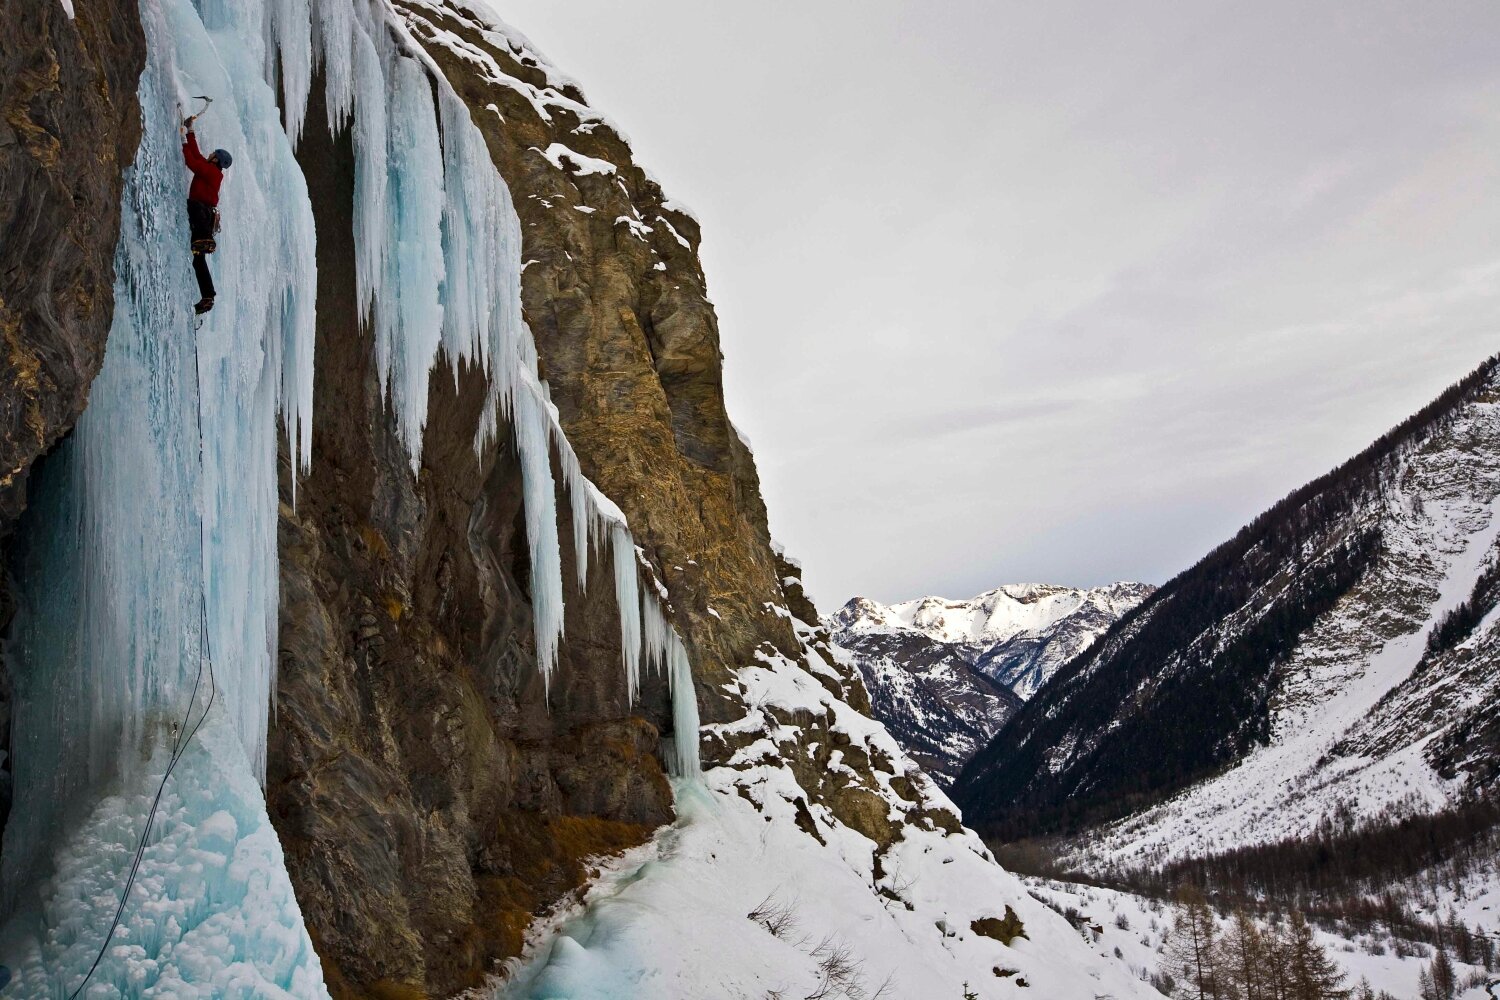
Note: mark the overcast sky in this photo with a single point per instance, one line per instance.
(1060, 292)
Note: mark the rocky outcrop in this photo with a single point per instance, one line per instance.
(629, 343)
(430, 793)
(69, 124)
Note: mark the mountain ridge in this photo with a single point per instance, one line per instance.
(944, 674)
(1322, 601)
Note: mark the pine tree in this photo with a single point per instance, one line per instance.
(1243, 972)
(1192, 950)
(1278, 979)
(1444, 977)
(1310, 973)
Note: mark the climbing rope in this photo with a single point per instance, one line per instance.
(183, 736)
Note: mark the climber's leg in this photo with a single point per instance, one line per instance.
(201, 222)
(205, 282)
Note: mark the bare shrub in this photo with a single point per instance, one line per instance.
(776, 916)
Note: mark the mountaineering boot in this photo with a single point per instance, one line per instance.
(204, 305)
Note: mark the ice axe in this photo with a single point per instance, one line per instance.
(187, 122)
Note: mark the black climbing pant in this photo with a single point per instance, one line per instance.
(201, 221)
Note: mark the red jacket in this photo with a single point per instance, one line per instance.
(206, 176)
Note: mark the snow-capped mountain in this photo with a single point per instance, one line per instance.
(945, 675)
(1336, 658)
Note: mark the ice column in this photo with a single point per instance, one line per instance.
(157, 513)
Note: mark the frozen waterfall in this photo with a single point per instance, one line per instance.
(129, 531)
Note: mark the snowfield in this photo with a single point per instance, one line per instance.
(1148, 924)
(672, 920)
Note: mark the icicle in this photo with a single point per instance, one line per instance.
(290, 57)
(333, 52)
(627, 597)
(663, 650)
(586, 517)
(654, 632)
(409, 331)
(371, 174)
(685, 754)
(533, 431)
(473, 228)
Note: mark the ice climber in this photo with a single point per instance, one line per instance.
(203, 208)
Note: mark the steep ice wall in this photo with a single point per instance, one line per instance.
(133, 532)
(150, 544)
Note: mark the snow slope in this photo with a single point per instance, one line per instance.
(1286, 679)
(764, 838)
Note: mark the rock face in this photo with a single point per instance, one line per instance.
(1336, 657)
(430, 794)
(930, 696)
(944, 676)
(629, 343)
(69, 125)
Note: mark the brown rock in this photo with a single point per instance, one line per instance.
(69, 125)
(430, 795)
(632, 355)
(1005, 930)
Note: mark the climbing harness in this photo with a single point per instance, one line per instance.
(208, 244)
(182, 735)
